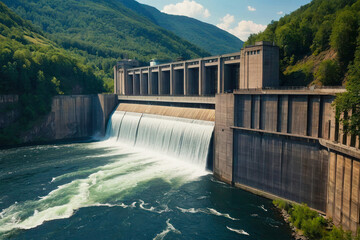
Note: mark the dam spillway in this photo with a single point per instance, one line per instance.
(180, 138)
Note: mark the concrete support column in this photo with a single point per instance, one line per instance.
(149, 81)
(185, 78)
(220, 83)
(141, 83)
(171, 79)
(121, 81)
(202, 80)
(159, 80)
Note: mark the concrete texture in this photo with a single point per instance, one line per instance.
(224, 118)
(343, 203)
(288, 144)
(306, 115)
(179, 112)
(75, 116)
(288, 168)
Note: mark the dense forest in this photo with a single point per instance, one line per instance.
(36, 69)
(103, 32)
(320, 44)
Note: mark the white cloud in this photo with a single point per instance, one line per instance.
(251, 9)
(280, 13)
(226, 22)
(188, 8)
(243, 28)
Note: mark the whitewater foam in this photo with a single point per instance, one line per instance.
(238, 231)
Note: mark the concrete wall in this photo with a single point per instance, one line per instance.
(289, 145)
(289, 168)
(262, 142)
(71, 117)
(223, 142)
(304, 115)
(343, 203)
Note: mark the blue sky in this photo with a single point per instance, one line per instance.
(239, 17)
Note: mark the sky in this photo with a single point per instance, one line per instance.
(239, 17)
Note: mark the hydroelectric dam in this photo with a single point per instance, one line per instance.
(173, 146)
(273, 141)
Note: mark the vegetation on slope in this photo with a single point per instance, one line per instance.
(103, 32)
(311, 224)
(316, 27)
(207, 36)
(36, 69)
(308, 37)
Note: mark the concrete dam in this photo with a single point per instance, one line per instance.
(228, 114)
(273, 141)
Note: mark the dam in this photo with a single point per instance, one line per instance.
(181, 142)
(278, 142)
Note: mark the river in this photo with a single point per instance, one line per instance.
(151, 186)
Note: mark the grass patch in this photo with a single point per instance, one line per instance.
(313, 225)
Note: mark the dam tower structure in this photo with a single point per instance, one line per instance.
(253, 67)
(278, 142)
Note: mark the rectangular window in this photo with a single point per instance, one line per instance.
(258, 51)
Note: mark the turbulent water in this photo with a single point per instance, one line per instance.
(146, 181)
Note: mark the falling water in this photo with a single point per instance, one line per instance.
(146, 180)
(180, 138)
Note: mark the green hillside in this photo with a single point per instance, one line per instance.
(207, 36)
(320, 45)
(103, 32)
(315, 30)
(36, 69)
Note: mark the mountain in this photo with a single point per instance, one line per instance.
(103, 31)
(36, 68)
(207, 36)
(317, 42)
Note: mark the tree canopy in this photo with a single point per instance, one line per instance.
(36, 69)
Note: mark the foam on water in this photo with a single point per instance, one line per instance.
(169, 228)
(142, 148)
(238, 231)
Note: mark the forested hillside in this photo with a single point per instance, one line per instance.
(321, 30)
(207, 36)
(320, 44)
(36, 69)
(103, 31)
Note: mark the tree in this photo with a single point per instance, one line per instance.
(322, 38)
(350, 100)
(329, 73)
(343, 37)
